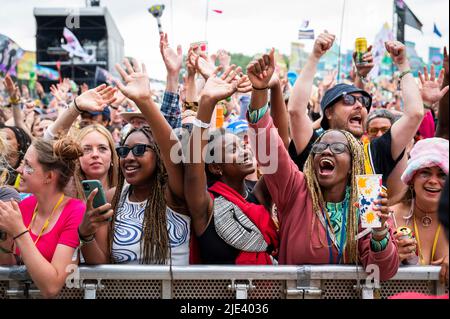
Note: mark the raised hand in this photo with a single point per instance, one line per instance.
(137, 83)
(323, 43)
(364, 69)
(397, 51)
(224, 58)
(173, 60)
(244, 85)
(329, 80)
(261, 71)
(39, 89)
(11, 88)
(190, 63)
(84, 87)
(202, 63)
(97, 99)
(58, 93)
(431, 87)
(219, 88)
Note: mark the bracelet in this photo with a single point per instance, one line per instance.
(14, 101)
(76, 106)
(200, 124)
(257, 89)
(381, 233)
(84, 240)
(21, 234)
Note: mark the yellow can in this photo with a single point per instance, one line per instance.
(360, 49)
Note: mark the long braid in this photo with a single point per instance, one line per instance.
(155, 239)
(357, 168)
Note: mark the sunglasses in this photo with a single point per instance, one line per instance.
(335, 148)
(374, 130)
(350, 100)
(138, 150)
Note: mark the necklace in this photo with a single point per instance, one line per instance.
(426, 220)
(47, 222)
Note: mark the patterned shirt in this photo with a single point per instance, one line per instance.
(170, 108)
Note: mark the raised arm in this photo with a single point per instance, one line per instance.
(94, 100)
(443, 125)
(15, 100)
(404, 130)
(200, 203)
(278, 109)
(173, 61)
(137, 88)
(301, 127)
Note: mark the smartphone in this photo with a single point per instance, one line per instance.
(100, 198)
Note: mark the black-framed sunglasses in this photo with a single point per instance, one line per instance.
(350, 100)
(138, 150)
(335, 148)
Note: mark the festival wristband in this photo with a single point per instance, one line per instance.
(255, 115)
(200, 124)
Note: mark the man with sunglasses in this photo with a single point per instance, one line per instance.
(346, 107)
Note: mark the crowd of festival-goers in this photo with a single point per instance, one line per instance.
(227, 166)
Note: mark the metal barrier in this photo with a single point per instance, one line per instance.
(225, 282)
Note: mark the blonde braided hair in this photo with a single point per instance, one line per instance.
(315, 191)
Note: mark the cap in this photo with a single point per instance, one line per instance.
(334, 94)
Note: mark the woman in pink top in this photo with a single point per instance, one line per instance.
(43, 228)
(318, 218)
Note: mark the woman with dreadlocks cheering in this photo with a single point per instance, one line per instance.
(318, 218)
(150, 220)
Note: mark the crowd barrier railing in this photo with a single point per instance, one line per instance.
(226, 282)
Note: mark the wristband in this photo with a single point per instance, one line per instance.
(14, 101)
(381, 233)
(21, 234)
(76, 106)
(84, 240)
(200, 124)
(257, 89)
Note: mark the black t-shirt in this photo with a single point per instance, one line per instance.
(379, 155)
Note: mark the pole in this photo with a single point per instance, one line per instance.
(206, 20)
(340, 41)
(394, 33)
(171, 16)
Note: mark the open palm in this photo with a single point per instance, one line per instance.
(173, 60)
(431, 90)
(97, 99)
(137, 83)
(220, 88)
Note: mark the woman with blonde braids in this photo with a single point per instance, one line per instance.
(316, 210)
(150, 220)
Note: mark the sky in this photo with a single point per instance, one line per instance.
(246, 26)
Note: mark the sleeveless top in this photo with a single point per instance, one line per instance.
(128, 233)
(213, 249)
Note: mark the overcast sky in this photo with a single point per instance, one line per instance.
(246, 26)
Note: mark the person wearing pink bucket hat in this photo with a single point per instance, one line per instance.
(425, 175)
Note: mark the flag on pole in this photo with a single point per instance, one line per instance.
(436, 31)
(406, 14)
(47, 73)
(218, 11)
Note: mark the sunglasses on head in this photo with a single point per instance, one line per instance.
(138, 150)
(350, 100)
(335, 148)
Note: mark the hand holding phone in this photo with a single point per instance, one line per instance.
(90, 186)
